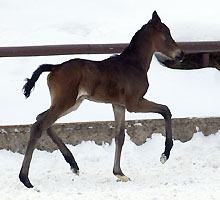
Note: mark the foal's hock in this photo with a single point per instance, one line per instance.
(120, 80)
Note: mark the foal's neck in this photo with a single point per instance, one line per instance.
(141, 48)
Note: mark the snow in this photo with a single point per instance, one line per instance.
(192, 172)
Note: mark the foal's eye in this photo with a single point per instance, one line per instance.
(167, 36)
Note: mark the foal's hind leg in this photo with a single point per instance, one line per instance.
(119, 112)
(64, 150)
(61, 146)
(44, 121)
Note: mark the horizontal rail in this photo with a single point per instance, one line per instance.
(69, 49)
(46, 50)
(200, 47)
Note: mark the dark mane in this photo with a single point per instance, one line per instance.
(134, 39)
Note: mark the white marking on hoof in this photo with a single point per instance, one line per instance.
(123, 178)
(163, 158)
(75, 171)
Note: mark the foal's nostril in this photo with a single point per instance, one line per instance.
(180, 56)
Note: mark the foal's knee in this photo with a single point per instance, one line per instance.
(165, 112)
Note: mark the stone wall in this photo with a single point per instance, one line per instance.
(15, 138)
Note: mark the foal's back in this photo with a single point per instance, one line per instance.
(108, 81)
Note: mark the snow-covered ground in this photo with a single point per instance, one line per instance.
(193, 170)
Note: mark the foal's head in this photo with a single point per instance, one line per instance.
(163, 41)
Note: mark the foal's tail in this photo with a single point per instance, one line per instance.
(36, 74)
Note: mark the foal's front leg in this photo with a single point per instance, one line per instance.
(119, 113)
(145, 106)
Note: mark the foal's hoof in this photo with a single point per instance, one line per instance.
(25, 181)
(75, 171)
(163, 158)
(123, 178)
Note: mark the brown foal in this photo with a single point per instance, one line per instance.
(120, 80)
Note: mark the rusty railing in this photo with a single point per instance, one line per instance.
(203, 48)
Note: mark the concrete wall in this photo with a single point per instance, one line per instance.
(15, 138)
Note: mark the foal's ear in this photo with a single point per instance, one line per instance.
(155, 20)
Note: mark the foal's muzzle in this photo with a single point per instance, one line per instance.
(168, 62)
(179, 56)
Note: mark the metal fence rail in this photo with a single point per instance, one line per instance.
(46, 50)
(69, 49)
(200, 47)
